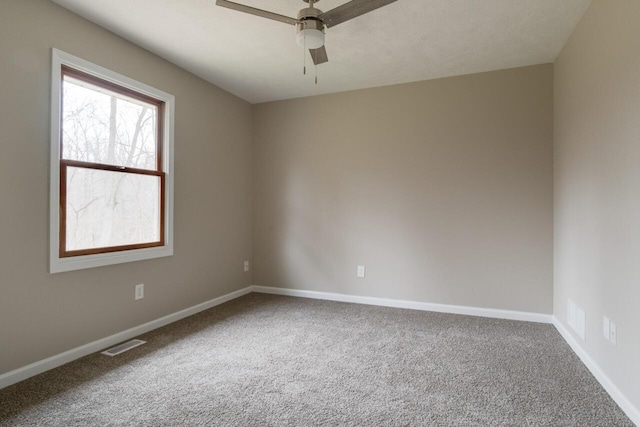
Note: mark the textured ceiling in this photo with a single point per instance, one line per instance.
(409, 40)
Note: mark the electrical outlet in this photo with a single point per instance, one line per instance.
(139, 291)
(246, 266)
(613, 334)
(361, 271)
(571, 314)
(605, 327)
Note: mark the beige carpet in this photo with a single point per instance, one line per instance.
(265, 360)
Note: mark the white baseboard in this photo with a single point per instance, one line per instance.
(41, 366)
(625, 404)
(413, 305)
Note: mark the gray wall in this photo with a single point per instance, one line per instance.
(597, 184)
(442, 189)
(42, 314)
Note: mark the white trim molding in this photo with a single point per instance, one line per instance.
(625, 404)
(52, 362)
(56, 263)
(413, 305)
(41, 366)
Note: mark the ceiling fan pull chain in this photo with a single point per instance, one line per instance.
(304, 57)
(312, 22)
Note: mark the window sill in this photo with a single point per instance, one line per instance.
(59, 265)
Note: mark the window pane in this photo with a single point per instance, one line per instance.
(107, 208)
(99, 126)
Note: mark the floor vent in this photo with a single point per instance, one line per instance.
(123, 347)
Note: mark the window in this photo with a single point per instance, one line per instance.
(111, 169)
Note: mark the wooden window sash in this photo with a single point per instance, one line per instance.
(65, 163)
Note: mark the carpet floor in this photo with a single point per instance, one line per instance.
(264, 360)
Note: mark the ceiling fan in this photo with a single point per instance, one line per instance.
(311, 22)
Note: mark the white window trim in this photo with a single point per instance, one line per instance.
(57, 264)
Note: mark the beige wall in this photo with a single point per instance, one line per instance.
(42, 314)
(442, 189)
(597, 184)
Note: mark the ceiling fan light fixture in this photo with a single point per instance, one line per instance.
(311, 38)
(312, 22)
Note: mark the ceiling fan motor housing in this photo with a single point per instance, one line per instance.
(310, 28)
(311, 22)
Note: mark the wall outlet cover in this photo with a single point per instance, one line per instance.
(605, 327)
(613, 334)
(139, 291)
(246, 266)
(361, 271)
(571, 314)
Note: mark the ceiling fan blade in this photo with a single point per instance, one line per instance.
(319, 55)
(257, 12)
(351, 10)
